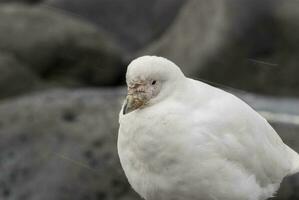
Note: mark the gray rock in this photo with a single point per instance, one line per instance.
(20, 1)
(264, 60)
(61, 145)
(200, 30)
(251, 45)
(133, 23)
(59, 48)
(15, 78)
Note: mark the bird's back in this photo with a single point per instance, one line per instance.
(246, 139)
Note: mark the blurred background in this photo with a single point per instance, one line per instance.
(62, 71)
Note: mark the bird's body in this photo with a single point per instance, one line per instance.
(201, 143)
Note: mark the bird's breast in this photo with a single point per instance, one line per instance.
(148, 148)
(151, 141)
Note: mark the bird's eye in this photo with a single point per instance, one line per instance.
(154, 82)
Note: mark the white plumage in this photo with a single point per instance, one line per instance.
(187, 140)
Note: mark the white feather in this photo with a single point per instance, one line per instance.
(199, 142)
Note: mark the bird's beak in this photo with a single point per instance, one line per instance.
(132, 103)
(135, 98)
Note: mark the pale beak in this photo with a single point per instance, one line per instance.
(132, 103)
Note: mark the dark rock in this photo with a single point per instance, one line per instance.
(133, 23)
(62, 50)
(15, 78)
(43, 156)
(200, 30)
(21, 1)
(264, 59)
(247, 44)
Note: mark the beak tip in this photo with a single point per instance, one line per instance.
(125, 109)
(131, 104)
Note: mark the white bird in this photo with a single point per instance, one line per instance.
(181, 139)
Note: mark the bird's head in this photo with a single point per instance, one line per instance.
(149, 80)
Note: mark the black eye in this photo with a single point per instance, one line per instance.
(154, 82)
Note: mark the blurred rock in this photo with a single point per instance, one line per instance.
(15, 78)
(247, 44)
(61, 145)
(133, 23)
(20, 1)
(62, 50)
(200, 30)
